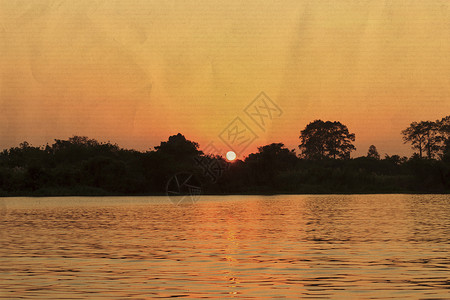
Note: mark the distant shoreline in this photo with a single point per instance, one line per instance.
(81, 166)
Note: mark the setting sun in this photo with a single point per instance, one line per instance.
(231, 155)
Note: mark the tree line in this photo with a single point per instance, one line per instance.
(84, 166)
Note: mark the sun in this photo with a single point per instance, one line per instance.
(231, 155)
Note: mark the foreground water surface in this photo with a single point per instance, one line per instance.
(321, 246)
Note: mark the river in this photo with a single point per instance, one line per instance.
(252, 247)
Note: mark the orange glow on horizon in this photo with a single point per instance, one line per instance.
(137, 73)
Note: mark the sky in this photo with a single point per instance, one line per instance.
(136, 72)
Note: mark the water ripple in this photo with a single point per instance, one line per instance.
(360, 246)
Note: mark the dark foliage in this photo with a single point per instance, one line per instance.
(428, 136)
(83, 166)
(328, 139)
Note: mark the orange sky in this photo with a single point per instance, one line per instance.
(134, 72)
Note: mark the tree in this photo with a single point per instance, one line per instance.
(395, 159)
(177, 154)
(446, 152)
(414, 135)
(444, 126)
(444, 130)
(269, 161)
(179, 147)
(424, 136)
(373, 152)
(275, 156)
(77, 148)
(327, 139)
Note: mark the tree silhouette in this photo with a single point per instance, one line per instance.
(444, 131)
(83, 166)
(273, 156)
(373, 152)
(179, 147)
(177, 154)
(268, 161)
(425, 136)
(326, 140)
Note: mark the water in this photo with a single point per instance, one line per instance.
(253, 247)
